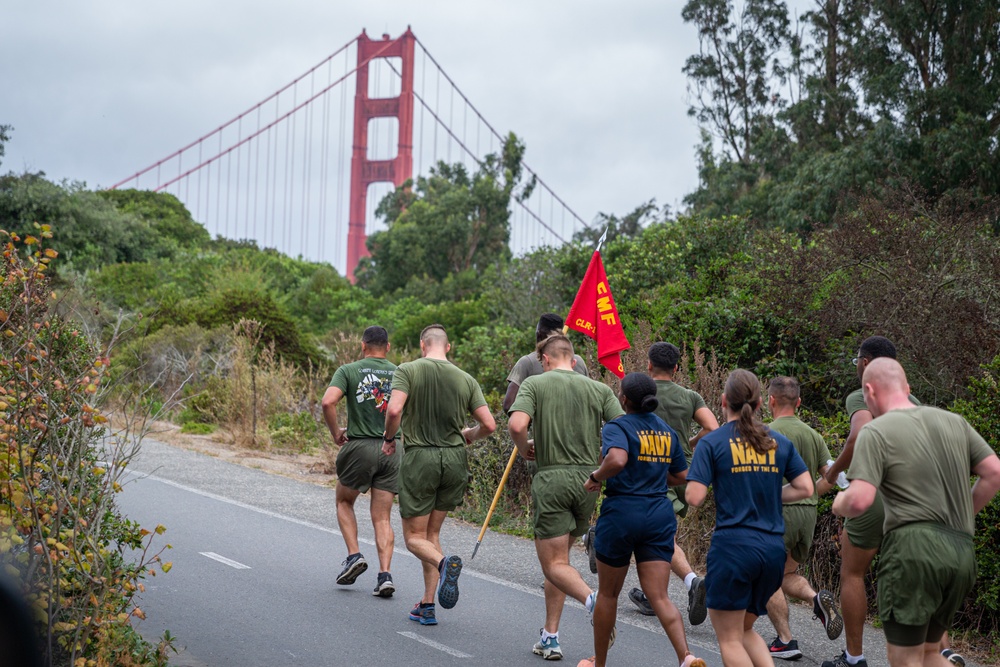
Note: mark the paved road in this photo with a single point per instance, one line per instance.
(255, 557)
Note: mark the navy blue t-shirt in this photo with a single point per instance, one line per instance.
(747, 485)
(653, 448)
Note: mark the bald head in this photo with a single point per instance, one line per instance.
(885, 386)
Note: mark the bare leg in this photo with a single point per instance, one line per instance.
(924, 655)
(385, 539)
(729, 629)
(794, 585)
(553, 554)
(653, 576)
(346, 519)
(555, 600)
(422, 535)
(610, 581)
(854, 563)
(679, 565)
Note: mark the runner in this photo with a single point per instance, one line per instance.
(745, 464)
(800, 522)
(920, 458)
(863, 533)
(679, 407)
(567, 411)
(528, 365)
(640, 455)
(361, 465)
(431, 399)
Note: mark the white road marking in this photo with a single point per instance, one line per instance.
(433, 644)
(224, 560)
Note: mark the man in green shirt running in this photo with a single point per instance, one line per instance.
(921, 459)
(679, 407)
(528, 365)
(431, 402)
(361, 465)
(565, 412)
(800, 522)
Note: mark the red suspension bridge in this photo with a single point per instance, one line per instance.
(278, 173)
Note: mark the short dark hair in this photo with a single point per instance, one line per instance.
(548, 323)
(875, 347)
(375, 336)
(434, 334)
(664, 356)
(784, 389)
(640, 391)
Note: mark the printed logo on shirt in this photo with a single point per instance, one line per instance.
(748, 459)
(654, 446)
(374, 388)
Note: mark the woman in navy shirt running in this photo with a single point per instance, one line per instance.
(746, 464)
(641, 456)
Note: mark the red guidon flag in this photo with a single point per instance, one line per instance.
(594, 314)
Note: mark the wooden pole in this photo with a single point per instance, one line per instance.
(496, 498)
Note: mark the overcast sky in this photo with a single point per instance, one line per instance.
(98, 89)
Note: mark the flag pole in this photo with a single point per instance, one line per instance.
(496, 498)
(600, 242)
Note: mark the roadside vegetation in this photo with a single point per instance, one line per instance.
(849, 188)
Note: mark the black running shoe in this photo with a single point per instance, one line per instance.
(354, 565)
(588, 543)
(384, 588)
(447, 592)
(841, 661)
(697, 611)
(789, 651)
(641, 602)
(953, 658)
(826, 612)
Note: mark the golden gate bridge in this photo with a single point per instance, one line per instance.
(279, 174)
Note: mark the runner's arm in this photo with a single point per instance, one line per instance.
(393, 415)
(855, 499)
(508, 398)
(677, 478)
(518, 424)
(843, 462)
(612, 463)
(330, 400)
(988, 471)
(485, 426)
(822, 486)
(695, 493)
(708, 423)
(799, 488)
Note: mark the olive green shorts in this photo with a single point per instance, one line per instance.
(675, 494)
(800, 525)
(361, 465)
(559, 503)
(925, 572)
(865, 531)
(432, 478)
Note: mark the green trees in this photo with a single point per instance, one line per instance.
(453, 223)
(4, 138)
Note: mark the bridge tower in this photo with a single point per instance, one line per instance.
(364, 172)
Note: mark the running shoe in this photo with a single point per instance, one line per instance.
(953, 658)
(423, 614)
(548, 648)
(588, 544)
(641, 602)
(789, 651)
(384, 588)
(826, 611)
(697, 611)
(841, 661)
(589, 606)
(447, 592)
(354, 566)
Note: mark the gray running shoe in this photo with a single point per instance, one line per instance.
(826, 611)
(354, 566)
(641, 602)
(588, 544)
(548, 648)
(697, 611)
(384, 588)
(447, 592)
(841, 661)
(953, 658)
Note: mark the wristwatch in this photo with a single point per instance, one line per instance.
(594, 479)
(386, 438)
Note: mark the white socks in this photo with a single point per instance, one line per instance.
(853, 659)
(546, 634)
(691, 576)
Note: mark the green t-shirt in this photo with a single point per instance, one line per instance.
(810, 446)
(529, 365)
(439, 398)
(567, 412)
(856, 401)
(921, 460)
(677, 408)
(367, 385)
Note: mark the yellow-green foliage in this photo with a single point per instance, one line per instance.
(78, 561)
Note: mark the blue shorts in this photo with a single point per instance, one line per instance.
(641, 525)
(745, 568)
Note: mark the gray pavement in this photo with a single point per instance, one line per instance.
(275, 601)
